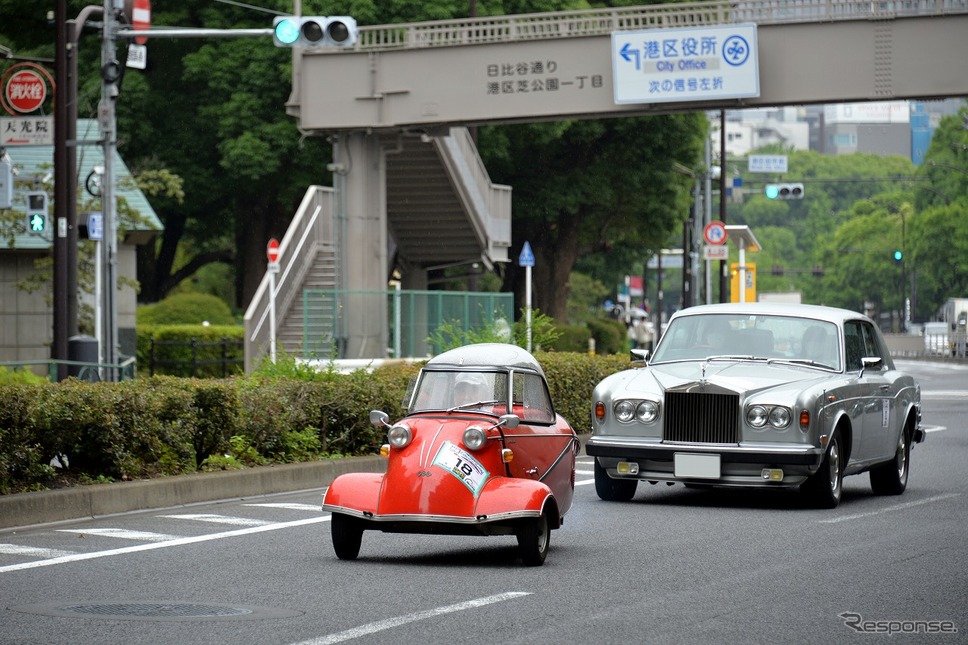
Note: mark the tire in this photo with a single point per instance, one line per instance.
(534, 538)
(347, 536)
(613, 490)
(890, 478)
(825, 487)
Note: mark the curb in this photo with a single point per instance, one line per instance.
(44, 507)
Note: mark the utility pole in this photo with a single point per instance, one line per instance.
(110, 74)
(723, 264)
(61, 196)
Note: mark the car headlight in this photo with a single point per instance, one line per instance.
(399, 436)
(780, 417)
(777, 416)
(474, 438)
(647, 411)
(756, 416)
(624, 411)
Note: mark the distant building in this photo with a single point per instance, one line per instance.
(26, 318)
(880, 127)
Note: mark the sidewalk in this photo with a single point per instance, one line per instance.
(43, 507)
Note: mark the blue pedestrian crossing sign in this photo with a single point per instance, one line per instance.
(526, 259)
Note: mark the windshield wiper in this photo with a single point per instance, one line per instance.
(734, 357)
(475, 404)
(801, 361)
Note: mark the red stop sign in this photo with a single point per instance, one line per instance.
(272, 250)
(25, 91)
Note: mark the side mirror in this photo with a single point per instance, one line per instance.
(639, 356)
(509, 421)
(379, 418)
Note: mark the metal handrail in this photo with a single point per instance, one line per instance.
(123, 371)
(597, 22)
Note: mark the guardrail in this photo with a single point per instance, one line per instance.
(85, 371)
(597, 22)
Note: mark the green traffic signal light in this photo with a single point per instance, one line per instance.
(285, 30)
(898, 255)
(772, 191)
(37, 223)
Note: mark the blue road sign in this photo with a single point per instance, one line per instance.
(688, 64)
(95, 226)
(526, 259)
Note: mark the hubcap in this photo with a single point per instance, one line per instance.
(901, 457)
(834, 459)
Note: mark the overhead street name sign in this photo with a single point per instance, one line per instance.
(767, 163)
(692, 64)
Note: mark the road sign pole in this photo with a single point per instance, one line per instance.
(527, 302)
(272, 314)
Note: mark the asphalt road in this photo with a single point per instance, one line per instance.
(674, 565)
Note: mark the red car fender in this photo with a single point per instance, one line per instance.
(358, 492)
(508, 495)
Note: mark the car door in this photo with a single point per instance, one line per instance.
(877, 395)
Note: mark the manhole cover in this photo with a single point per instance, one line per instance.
(157, 611)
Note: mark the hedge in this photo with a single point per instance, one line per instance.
(58, 434)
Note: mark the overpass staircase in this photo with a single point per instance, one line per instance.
(442, 208)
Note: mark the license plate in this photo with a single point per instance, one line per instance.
(697, 466)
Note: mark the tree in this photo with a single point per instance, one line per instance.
(587, 187)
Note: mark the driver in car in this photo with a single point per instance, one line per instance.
(470, 388)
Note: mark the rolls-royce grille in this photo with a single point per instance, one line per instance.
(696, 417)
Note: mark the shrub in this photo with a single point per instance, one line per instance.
(187, 309)
(611, 336)
(166, 425)
(572, 338)
(191, 350)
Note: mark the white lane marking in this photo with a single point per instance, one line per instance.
(944, 394)
(584, 472)
(934, 428)
(390, 623)
(291, 507)
(585, 482)
(896, 507)
(123, 534)
(77, 557)
(218, 519)
(32, 551)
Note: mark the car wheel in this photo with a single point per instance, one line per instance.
(347, 536)
(613, 490)
(824, 488)
(891, 478)
(534, 538)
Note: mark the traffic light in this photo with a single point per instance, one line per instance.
(898, 256)
(37, 213)
(314, 31)
(784, 191)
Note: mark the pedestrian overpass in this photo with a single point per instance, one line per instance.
(409, 183)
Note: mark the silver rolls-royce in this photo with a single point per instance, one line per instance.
(758, 395)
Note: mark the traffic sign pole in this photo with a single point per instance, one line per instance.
(526, 260)
(272, 254)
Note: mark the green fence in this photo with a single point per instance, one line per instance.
(412, 316)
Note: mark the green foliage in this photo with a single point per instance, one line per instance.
(572, 338)
(453, 333)
(611, 336)
(571, 379)
(19, 375)
(167, 426)
(191, 350)
(187, 309)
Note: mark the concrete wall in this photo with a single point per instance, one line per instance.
(27, 320)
